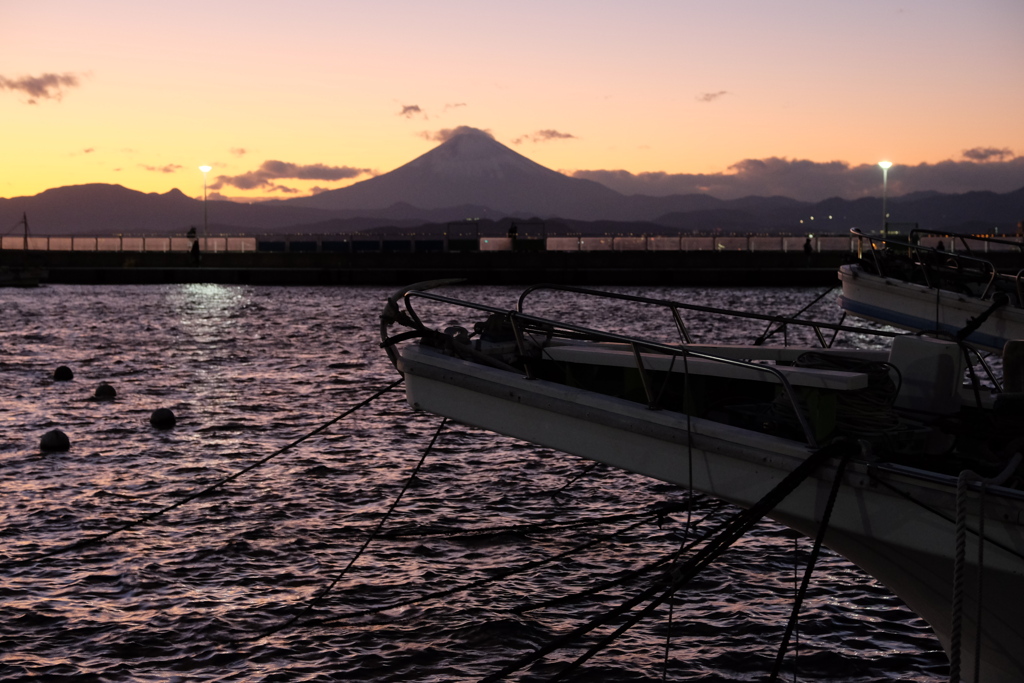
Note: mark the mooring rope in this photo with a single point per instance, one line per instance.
(318, 598)
(959, 554)
(627, 577)
(727, 534)
(99, 538)
(873, 475)
(579, 475)
(689, 509)
(531, 528)
(519, 569)
(768, 331)
(811, 561)
(960, 561)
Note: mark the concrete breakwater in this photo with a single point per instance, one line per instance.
(712, 268)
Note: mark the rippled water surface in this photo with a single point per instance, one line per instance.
(251, 581)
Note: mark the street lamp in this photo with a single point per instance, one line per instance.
(885, 190)
(205, 170)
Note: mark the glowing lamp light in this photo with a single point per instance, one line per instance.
(885, 166)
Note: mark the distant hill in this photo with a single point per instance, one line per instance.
(472, 176)
(100, 209)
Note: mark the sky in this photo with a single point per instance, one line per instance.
(794, 97)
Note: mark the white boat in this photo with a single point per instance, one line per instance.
(928, 289)
(656, 408)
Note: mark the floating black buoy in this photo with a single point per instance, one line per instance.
(162, 418)
(63, 374)
(105, 392)
(55, 440)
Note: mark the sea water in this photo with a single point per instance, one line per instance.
(236, 584)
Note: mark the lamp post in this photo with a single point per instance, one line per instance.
(885, 191)
(205, 170)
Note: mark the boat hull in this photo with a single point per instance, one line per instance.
(878, 522)
(918, 308)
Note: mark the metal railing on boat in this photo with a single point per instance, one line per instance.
(931, 261)
(675, 306)
(521, 323)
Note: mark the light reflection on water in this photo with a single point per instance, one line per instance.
(248, 369)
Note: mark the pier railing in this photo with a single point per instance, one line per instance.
(356, 243)
(363, 243)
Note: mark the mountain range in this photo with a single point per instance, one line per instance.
(473, 176)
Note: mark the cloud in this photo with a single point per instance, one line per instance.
(544, 136)
(446, 134)
(711, 96)
(88, 150)
(238, 151)
(169, 168)
(45, 87)
(411, 110)
(272, 170)
(988, 154)
(815, 181)
(455, 105)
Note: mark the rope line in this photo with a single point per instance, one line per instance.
(991, 541)
(625, 578)
(579, 475)
(809, 569)
(768, 332)
(527, 566)
(981, 583)
(99, 538)
(659, 509)
(733, 530)
(727, 533)
(318, 598)
(689, 510)
(960, 560)
(958, 577)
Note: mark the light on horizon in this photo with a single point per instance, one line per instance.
(885, 165)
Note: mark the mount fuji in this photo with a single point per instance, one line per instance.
(471, 168)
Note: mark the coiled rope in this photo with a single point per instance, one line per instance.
(861, 412)
(99, 538)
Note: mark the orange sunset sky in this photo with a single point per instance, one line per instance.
(141, 94)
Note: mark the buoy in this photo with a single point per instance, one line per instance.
(162, 418)
(105, 392)
(63, 374)
(55, 440)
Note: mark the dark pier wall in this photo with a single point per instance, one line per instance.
(725, 268)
